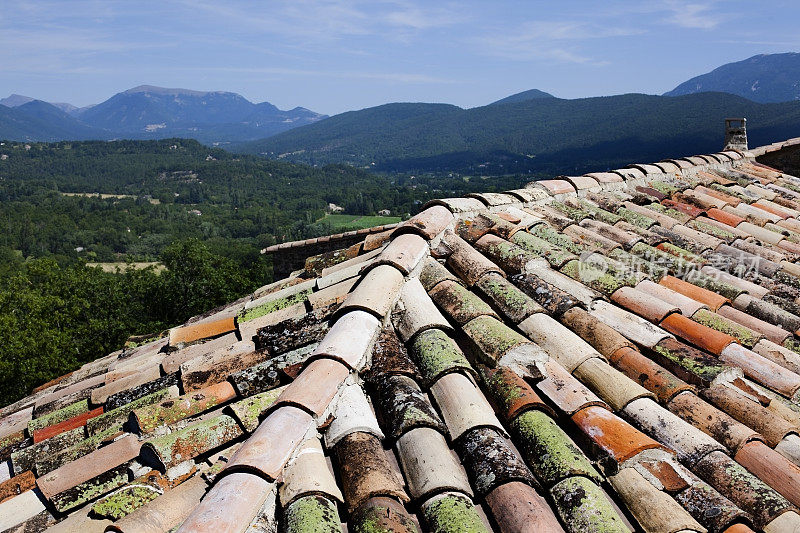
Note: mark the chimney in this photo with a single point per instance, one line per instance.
(735, 134)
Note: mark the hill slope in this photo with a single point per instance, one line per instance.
(545, 134)
(40, 121)
(761, 78)
(531, 94)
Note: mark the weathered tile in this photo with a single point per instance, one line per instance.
(263, 452)
(613, 387)
(365, 471)
(389, 355)
(761, 370)
(554, 300)
(165, 512)
(427, 223)
(349, 339)
(308, 473)
(377, 291)
(204, 330)
(248, 412)
(19, 509)
(490, 461)
(712, 300)
(583, 506)
(216, 366)
(404, 252)
(744, 335)
(469, 264)
(711, 508)
(403, 406)
(512, 302)
(77, 421)
(117, 417)
(643, 304)
(429, 466)
(434, 272)
(558, 341)
(653, 509)
(416, 312)
(17, 485)
(315, 387)
(510, 393)
(564, 390)
(772, 468)
(172, 361)
(697, 334)
(508, 256)
(196, 439)
(229, 506)
(650, 375)
(462, 405)
(687, 441)
(294, 333)
(555, 187)
(602, 337)
(779, 355)
(768, 312)
(747, 411)
(267, 375)
(517, 507)
(555, 255)
(351, 413)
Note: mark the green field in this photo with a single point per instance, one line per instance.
(340, 223)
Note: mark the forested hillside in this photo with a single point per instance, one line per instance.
(203, 213)
(540, 135)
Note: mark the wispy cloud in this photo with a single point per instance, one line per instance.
(560, 41)
(693, 15)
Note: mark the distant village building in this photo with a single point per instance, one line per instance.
(736, 134)
(384, 212)
(333, 208)
(3, 157)
(195, 212)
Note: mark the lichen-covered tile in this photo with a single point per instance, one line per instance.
(554, 300)
(490, 461)
(382, 515)
(752, 495)
(492, 339)
(548, 451)
(438, 354)
(434, 272)
(171, 410)
(216, 366)
(459, 303)
(248, 412)
(554, 255)
(584, 507)
(295, 333)
(389, 355)
(452, 512)
(403, 406)
(655, 378)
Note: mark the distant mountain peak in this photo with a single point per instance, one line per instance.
(16, 100)
(532, 94)
(763, 78)
(165, 91)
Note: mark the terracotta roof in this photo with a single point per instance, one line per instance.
(612, 352)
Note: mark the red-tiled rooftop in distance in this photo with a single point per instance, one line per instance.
(612, 352)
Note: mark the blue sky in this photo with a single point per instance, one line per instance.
(338, 55)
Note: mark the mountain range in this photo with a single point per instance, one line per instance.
(537, 135)
(762, 78)
(148, 112)
(530, 131)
